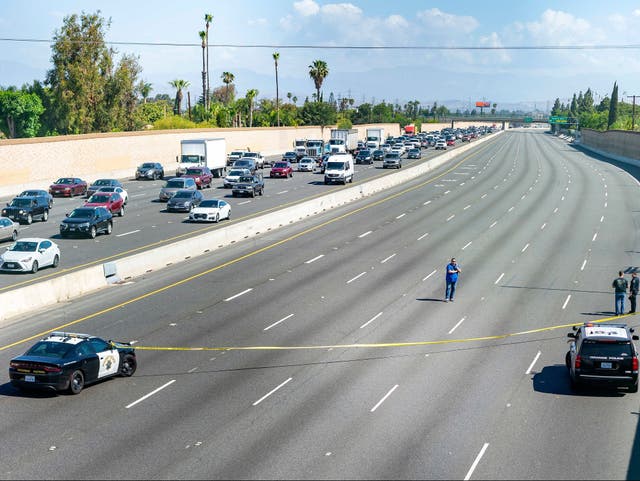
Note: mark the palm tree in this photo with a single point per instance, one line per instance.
(227, 78)
(145, 89)
(203, 37)
(178, 84)
(295, 99)
(276, 56)
(251, 94)
(318, 71)
(289, 95)
(208, 18)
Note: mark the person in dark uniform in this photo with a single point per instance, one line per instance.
(620, 286)
(633, 291)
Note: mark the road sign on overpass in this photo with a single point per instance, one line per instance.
(554, 119)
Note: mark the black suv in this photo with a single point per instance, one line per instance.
(87, 221)
(25, 209)
(364, 157)
(603, 354)
(251, 185)
(150, 170)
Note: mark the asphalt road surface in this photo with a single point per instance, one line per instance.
(539, 229)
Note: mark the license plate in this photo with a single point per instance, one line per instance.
(606, 365)
(30, 379)
(11, 265)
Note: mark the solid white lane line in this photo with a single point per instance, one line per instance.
(595, 236)
(423, 236)
(150, 394)
(467, 245)
(475, 463)
(127, 233)
(371, 320)
(566, 301)
(238, 294)
(483, 196)
(499, 278)
(456, 326)
(314, 259)
(543, 226)
(584, 263)
(278, 322)
(430, 275)
(400, 216)
(245, 202)
(271, 392)
(535, 359)
(525, 248)
(388, 258)
(356, 277)
(365, 234)
(467, 207)
(450, 217)
(427, 202)
(384, 398)
(493, 225)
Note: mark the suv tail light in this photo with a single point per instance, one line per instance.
(579, 362)
(634, 365)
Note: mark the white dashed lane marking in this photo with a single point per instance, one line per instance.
(314, 259)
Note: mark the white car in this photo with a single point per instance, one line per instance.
(28, 255)
(210, 210)
(441, 144)
(123, 193)
(233, 176)
(307, 164)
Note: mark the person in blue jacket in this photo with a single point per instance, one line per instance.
(453, 269)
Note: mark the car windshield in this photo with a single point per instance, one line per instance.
(237, 152)
(606, 349)
(250, 154)
(20, 203)
(99, 199)
(242, 162)
(81, 214)
(392, 156)
(32, 193)
(194, 171)
(306, 160)
(107, 189)
(335, 165)
(175, 184)
(279, 165)
(102, 182)
(56, 350)
(246, 179)
(289, 154)
(24, 246)
(235, 173)
(64, 181)
(182, 194)
(147, 165)
(210, 203)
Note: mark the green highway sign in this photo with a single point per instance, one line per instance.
(528, 120)
(554, 119)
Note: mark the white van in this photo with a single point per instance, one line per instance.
(339, 168)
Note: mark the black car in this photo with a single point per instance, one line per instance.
(38, 193)
(87, 221)
(26, 209)
(184, 200)
(603, 354)
(150, 170)
(364, 157)
(251, 185)
(63, 361)
(378, 154)
(290, 156)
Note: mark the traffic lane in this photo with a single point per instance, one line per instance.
(141, 235)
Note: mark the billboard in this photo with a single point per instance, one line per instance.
(483, 104)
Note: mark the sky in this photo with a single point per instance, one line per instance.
(469, 50)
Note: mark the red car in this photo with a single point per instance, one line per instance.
(112, 201)
(68, 186)
(281, 169)
(451, 141)
(202, 176)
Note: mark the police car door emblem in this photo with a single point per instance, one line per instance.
(108, 362)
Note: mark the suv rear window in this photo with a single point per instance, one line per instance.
(608, 349)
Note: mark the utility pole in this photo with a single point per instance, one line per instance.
(633, 111)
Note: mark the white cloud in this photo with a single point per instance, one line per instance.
(437, 19)
(561, 28)
(341, 12)
(493, 40)
(257, 22)
(636, 12)
(396, 21)
(306, 8)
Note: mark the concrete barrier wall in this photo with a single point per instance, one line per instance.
(620, 143)
(59, 289)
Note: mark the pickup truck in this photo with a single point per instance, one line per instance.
(257, 157)
(251, 185)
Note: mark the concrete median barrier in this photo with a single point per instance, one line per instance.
(69, 286)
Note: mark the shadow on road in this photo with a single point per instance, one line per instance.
(555, 380)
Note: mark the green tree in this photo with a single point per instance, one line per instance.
(318, 113)
(208, 18)
(318, 71)
(203, 40)
(251, 95)
(276, 57)
(20, 113)
(178, 84)
(145, 89)
(613, 106)
(227, 78)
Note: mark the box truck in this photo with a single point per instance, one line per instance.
(375, 138)
(210, 153)
(343, 140)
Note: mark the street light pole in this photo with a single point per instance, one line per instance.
(633, 111)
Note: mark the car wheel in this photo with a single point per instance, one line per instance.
(155, 176)
(567, 360)
(56, 261)
(633, 388)
(45, 216)
(34, 267)
(93, 232)
(253, 193)
(129, 365)
(121, 213)
(217, 218)
(14, 235)
(109, 228)
(29, 219)
(76, 382)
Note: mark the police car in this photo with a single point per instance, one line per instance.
(70, 361)
(603, 354)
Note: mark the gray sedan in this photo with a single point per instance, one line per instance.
(174, 185)
(8, 229)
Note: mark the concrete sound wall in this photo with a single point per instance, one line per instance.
(621, 145)
(59, 289)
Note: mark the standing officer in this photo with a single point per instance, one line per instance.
(633, 291)
(620, 285)
(453, 269)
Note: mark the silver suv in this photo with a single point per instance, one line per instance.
(174, 185)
